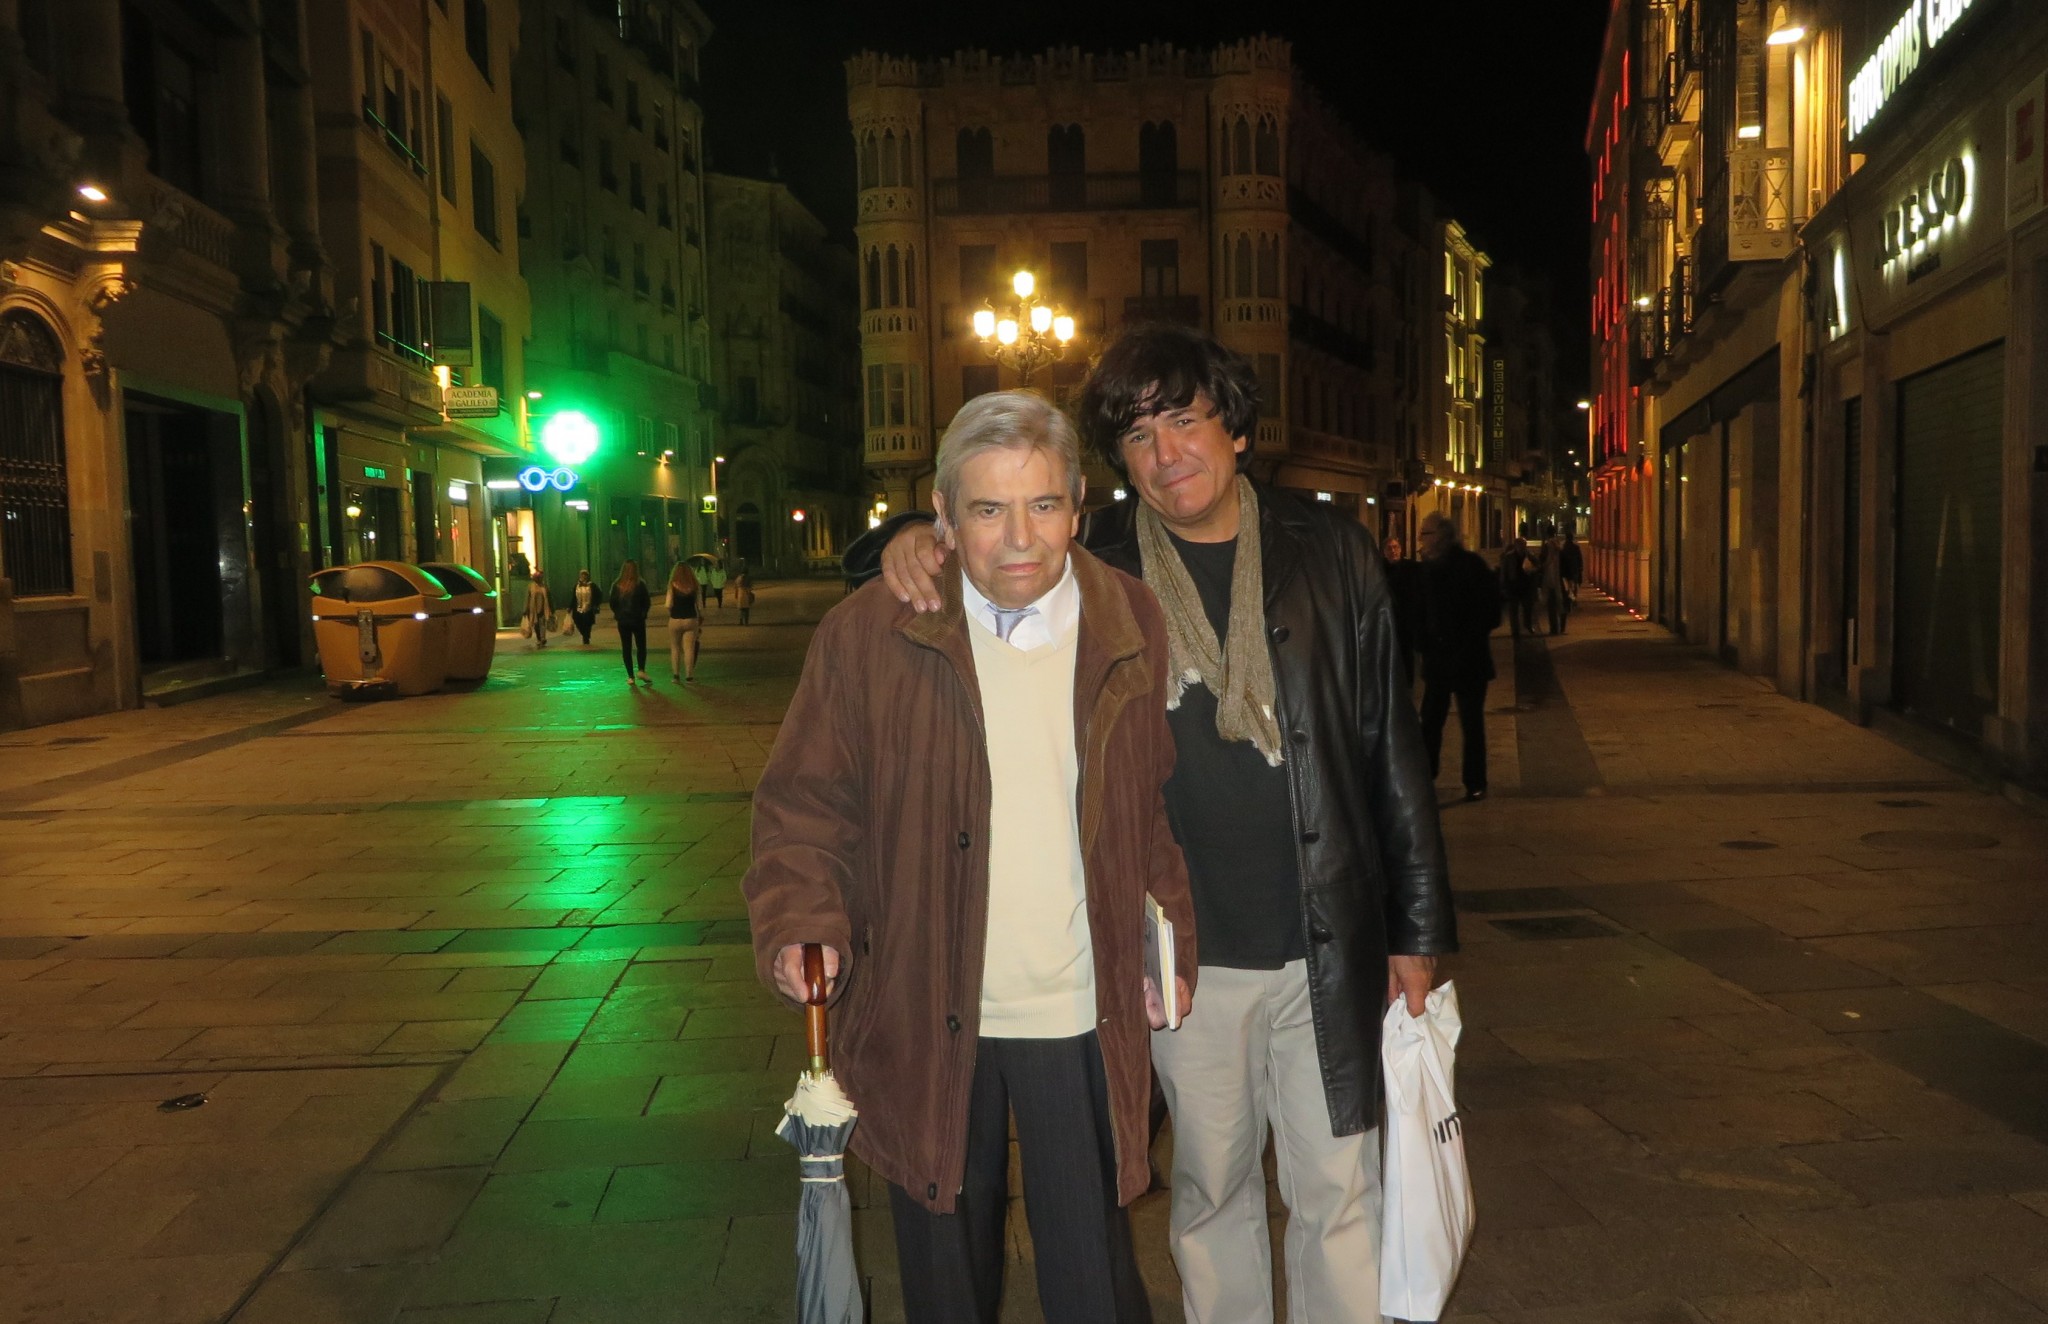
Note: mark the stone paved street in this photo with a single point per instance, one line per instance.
(1756, 1005)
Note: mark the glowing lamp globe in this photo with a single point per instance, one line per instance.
(1006, 331)
(984, 323)
(570, 437)
(1023, 282)
(1041, 318)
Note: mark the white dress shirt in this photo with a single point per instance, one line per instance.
(1058, 615)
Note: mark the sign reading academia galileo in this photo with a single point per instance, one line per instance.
(1923, 28)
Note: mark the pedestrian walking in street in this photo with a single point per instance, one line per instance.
(1404, 585)
(1574, 564)
(979, 877)
(685, 622)
(1461, 608)
(1550, 580)
(583, 612)
(1301, 797)
(1517, 584)
(629, 604)
(540, 611)
(743, 594)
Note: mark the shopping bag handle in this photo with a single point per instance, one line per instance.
(814, 1008)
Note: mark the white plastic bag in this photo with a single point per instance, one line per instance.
(1426, 1222)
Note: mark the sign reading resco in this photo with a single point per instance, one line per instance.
(1924, 26)
(1928, 210)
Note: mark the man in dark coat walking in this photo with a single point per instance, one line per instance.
(1461, 607)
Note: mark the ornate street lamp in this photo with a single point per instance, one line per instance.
(1025, 335)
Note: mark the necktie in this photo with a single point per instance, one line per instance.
(1007, 618)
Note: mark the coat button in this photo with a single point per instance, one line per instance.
(931, 1192)
(1300, 737)
(964, 840)
(1311, 837)
(1279, 634)
(1320, 933)
(953, 1024)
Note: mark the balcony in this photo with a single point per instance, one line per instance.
(1328, 337)
(1760, 219)
(1005, 194)
(375, 381)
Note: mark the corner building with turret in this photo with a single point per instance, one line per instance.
(1206, 187)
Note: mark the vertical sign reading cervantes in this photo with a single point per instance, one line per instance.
(2026, 153)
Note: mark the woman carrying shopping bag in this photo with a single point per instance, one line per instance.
(540, 611)
(583, 612)
(685, 622)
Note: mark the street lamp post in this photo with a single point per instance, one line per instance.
(1025, 335)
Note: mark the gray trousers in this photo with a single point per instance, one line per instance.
(1244, 1060)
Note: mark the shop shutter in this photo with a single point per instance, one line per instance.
(1947, 623)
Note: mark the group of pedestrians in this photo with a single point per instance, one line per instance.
(630, 604)
(1447, 604)
(1041, 726)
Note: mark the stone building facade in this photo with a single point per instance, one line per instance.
(614, 212)
(165, 299)
(1210, 187)
(787, 359)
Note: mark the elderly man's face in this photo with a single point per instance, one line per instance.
(1014, 521)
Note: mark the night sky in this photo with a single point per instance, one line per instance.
(1485, 101)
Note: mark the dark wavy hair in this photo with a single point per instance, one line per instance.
(1163, 367)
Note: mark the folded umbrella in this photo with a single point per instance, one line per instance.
(818, 1120)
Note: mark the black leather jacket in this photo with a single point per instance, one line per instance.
(1373, 875)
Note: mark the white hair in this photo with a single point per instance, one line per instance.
(1006, 420)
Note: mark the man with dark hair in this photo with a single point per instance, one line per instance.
(1302, 800)
(1461, 607)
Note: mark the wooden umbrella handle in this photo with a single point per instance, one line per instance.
(814, 1008)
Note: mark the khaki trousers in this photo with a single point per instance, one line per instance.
(1243, 1060)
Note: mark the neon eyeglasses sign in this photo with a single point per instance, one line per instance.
(534, 478)
(1923, 27)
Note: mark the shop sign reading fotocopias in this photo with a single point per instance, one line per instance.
(1923, 28)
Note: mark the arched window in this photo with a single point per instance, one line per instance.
(35, 487)
(1241, 147)
(974, 154)
(909, 276)
(1066, 161)
(1241, 267)
(1269, 146)
(890, 178)
(870, 167)
(874, 278)
(893, 265)
(1269, 268)
(903, 151)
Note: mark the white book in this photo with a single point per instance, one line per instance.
(1160, 959)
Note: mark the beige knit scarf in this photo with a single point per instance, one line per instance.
(1239, 672)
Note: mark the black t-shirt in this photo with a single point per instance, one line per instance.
(1231, 811)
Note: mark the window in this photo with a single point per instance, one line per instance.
(162, 87)
(974, 155)
(1066, 161)
(660, 129)
(35, 486)
(632, 103)
(405, 306)
(607, 174)
(662, 215)
(892, 268)
(1158, 164)
(1070, 271)
(1159, 268)
(746, 399)
(977, 272)
(444, 144)
(476, 34)
(668, 360)
(640, 268)
(870, 162)
(1269, 268)
(899, 395)
(892, 175)
(1269, 146)
(668, 285)
(610, 242)
(977, 379)
(565, 45)
(1241, 268)
(636, 191)
(1240, 162)
(601, 77)
(572, 231)
(875, 405)
(490, 349)
(483, 192)
(380, 313)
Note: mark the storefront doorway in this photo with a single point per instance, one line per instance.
(1946, 654)
(371, 527)
(188, 532)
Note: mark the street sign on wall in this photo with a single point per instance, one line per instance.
(471, 402)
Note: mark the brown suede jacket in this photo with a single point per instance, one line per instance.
(870, 828)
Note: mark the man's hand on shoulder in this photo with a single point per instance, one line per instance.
(911, 565)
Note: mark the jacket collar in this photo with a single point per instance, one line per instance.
(1109, 630)
(1283, 526)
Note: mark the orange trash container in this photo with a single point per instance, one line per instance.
(382, 628)
(473, 619)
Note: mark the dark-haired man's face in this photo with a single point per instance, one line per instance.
(1183, 463)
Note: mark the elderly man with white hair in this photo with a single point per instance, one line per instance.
(966, 808)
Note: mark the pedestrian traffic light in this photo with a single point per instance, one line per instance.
(570, 437)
